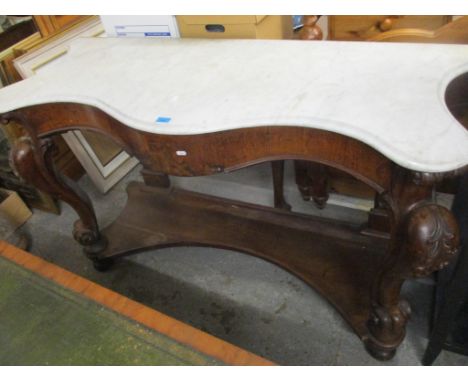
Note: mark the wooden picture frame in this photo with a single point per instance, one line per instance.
(103, 173)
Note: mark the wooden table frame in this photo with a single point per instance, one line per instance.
(366, 290)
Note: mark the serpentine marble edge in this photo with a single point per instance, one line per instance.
(387, 95)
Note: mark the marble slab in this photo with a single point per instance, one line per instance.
(388, 95)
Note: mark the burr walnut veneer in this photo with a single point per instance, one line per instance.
(195, 107)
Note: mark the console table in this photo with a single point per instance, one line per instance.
(200, 107)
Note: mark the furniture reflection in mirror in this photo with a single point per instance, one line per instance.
(104, 161)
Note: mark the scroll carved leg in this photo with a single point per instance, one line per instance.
(312, 181)
(425, 240)
(32, 160)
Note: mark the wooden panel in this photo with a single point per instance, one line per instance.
(50, 24)
(454, 32)
(355, 28)
(316, 250)
(63, 21)
(104, 148)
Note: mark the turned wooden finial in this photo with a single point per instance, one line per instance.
(310, 30)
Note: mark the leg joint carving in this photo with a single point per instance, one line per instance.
(426, 240)
(32, 159)
(432, 240)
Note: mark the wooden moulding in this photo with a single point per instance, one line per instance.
(212, 153)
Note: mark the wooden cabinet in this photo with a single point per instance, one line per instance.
(50, 24)
(360, 28)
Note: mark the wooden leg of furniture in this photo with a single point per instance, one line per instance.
(360, 275)
(31, 158)
(155, 179)
(424, 239)
(312, 181)
(378, 223)
(277, 168)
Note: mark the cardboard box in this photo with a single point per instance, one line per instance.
(140, 26)
(14, 209)
(254, 27)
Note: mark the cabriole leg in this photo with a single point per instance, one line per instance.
(32, 160)
(425, 238)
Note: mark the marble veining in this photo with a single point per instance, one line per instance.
(388, 95)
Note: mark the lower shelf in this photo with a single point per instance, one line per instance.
(331, 257)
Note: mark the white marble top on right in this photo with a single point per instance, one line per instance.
(390, 96)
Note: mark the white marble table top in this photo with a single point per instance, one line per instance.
(388, 95)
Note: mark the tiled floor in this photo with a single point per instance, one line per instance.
(244, 300)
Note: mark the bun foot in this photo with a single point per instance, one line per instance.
(284, 206)
(102, 265)
(320, 202)
(379, 352)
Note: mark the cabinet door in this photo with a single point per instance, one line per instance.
(104, 161)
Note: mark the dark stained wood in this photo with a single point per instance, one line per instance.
(318, 251)
(312, 182)
(218, 152)
(312, 178)
(155, 179)
(355, 272)
(379, 220)
(424, 238)
(32, 160)
(16, 33)
(277, 169)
